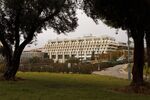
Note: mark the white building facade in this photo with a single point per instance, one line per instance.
(82, 48)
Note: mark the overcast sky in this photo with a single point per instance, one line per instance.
(86, 27)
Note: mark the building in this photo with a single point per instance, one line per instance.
(82, 48)
(33, 53)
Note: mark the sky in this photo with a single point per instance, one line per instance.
(86, 26)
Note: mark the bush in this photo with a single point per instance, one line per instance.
(104, 65)
(2, 67)
(58, 67)
(84, 68)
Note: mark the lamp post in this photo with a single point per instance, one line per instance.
(129, 67)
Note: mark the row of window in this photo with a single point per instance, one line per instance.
(80, 52)
(82, 40)
(78, 49)
(75, 46)
(81, 43)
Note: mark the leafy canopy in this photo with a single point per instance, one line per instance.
(23, 19)
(125, 14)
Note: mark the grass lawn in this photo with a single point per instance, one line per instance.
(51, 86)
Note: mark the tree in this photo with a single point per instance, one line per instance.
(148, 48)
(147, 36)
(22, 20)
(93, 56)
(130, 15)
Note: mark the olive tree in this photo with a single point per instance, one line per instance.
(22, 20)
(130, 15)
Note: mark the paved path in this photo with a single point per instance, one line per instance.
(116, 71)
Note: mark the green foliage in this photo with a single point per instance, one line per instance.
(147, 72)
(22, 20)
(37, 64)
(34, 60)
(38, 14)
(104, 65)
(82, 68)
(86, 68)
(57, 67)
(130, 15)
(2, 67)
(73, 60)
(93, 55)
(46, 55)
(125, 14)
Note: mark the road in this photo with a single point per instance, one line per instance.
(116, 71)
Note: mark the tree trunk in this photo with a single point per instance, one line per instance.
(137, 70)
(148, 48)
(12, 66)
(11, 70)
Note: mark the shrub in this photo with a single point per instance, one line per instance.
(84, 68)
(2, 67)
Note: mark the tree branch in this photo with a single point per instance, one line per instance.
(17, 36)
(42, 21)
(6, 46)
(34, 27)
(28, 39)
(17, 23)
